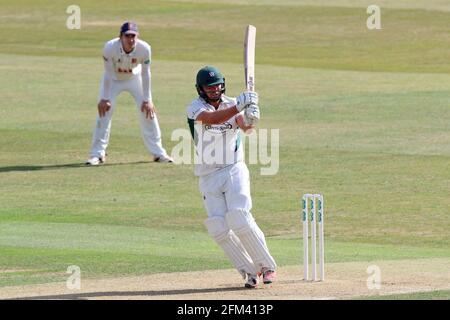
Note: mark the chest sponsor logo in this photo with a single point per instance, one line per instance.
(218, 128)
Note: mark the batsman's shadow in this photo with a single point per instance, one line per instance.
(129, 294)
(63, 166)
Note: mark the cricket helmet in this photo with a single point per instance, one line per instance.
(209, 76)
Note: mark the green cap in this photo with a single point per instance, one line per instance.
(209, 76)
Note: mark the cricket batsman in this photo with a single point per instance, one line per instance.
(127, 68)
(215, 121)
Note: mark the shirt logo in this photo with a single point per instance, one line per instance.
(134, 60)
(218, 128)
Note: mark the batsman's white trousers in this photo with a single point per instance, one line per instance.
(226, 190)
(226, 196)
(149, 127)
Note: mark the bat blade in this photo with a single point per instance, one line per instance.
(249, 57)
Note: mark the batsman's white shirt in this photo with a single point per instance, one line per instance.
(224, 184)
(217, 145)
(126, 72)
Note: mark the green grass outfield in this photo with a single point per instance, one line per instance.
(363, 118)
(435, 295)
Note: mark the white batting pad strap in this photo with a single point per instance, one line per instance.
(230, 244)
(252, 238)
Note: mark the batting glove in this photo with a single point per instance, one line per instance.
(251, 115)
(245, 99)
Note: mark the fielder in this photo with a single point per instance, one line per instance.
(215, 121)
(127, 68)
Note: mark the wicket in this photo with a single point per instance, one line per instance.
(312, 199)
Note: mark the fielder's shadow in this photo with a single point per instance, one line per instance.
(87, 295)
(63, 166)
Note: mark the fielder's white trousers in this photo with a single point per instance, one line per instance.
(150, 130)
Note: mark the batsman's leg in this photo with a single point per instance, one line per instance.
(231, 245)
(243, 224)
(241, 221)
(211, 187)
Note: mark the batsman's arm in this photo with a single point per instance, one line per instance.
(241, 123)
(218, 116)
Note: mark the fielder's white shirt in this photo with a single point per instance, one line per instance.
(120, 66)
(218, 145)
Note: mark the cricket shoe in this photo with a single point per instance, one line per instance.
(95, 161)
(252, 281)
(268, 275)
(163, 159)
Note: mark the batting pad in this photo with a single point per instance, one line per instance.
(227, 240)
(252, 238)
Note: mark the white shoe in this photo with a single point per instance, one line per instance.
(95, 161)
(163, 159)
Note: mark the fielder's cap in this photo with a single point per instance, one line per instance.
(129, 28)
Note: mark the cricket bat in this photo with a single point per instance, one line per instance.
(249, 57)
